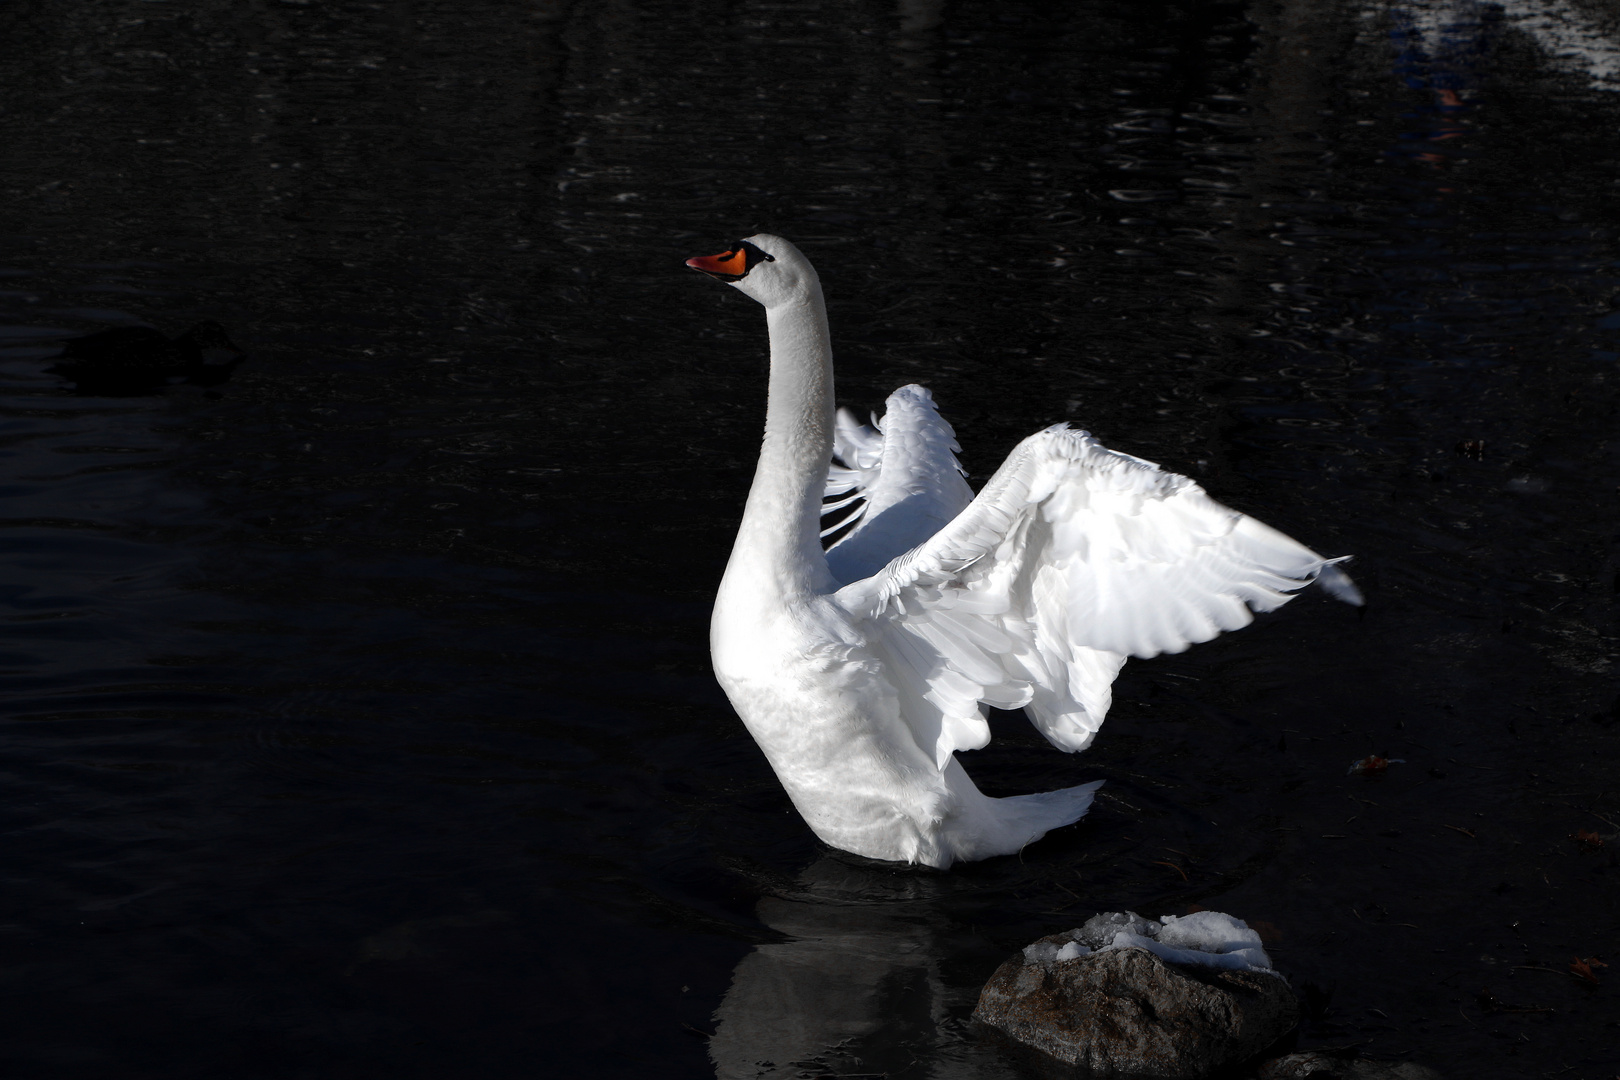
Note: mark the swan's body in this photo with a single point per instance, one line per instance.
(861, 670)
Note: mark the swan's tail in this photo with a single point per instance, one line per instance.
(1005, 826)
(1049, 809)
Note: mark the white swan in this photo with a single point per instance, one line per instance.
(859, 671)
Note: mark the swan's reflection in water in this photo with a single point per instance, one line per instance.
(856, 990)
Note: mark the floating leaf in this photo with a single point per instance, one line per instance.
(1582, 969)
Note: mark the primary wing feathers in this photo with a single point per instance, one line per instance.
(1072, 558)
(904, 467)
(857, 462)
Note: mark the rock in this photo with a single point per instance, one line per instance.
(1340, 1065)
(1125, 1012)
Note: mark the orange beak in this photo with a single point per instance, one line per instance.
(729, 265)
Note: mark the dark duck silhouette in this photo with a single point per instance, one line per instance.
(140, 360)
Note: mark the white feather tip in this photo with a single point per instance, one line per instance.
(1338, 583)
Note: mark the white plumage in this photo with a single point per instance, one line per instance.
(862, 670)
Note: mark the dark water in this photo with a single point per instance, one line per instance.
(358, 717)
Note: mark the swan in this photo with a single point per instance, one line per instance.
(862, 669)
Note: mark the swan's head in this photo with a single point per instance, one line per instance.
(766, 267)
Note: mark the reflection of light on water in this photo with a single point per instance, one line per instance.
(854, 990)
(1439, 47)
(1569, 38)
(852, 983)
(1572, 42)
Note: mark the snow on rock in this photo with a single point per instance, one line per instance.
(1209, 938)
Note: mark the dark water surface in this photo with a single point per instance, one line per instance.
(359, 720)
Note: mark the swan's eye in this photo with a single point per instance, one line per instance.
(752, 255)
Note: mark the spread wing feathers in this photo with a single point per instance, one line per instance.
(858, 457)
(1072, 558)
(904, 474)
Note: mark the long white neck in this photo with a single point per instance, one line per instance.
(779, 542)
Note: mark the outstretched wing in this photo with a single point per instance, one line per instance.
(1072, 558)
(899, 479)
